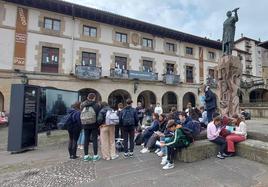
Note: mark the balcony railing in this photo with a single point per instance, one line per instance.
(119, 73)
(132, 74)
(88, 72)
(249, 67)
(171, 79)
(211, 82)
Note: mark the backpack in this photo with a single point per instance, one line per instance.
(188, 133)
(65, 122)
(88, 116)
(195, 127)
(119, 145)
(128, 117)
(139, 139)
(111, 118)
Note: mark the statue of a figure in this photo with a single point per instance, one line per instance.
(229, 32)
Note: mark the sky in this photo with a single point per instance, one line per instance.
(198, 17)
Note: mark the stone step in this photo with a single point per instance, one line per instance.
(202, 149)
(251, 135)
(255, 150)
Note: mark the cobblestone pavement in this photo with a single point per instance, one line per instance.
(48, 165)
(68, 173)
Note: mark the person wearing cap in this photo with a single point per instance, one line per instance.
(128, 120)
(213, 134)
(238, 135)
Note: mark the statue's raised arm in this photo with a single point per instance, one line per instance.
(229, 32)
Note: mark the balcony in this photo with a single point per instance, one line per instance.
(248, 66)
(88, 72)
(119, 73)
(211, 82)
(248, 58)
(171, 79)
(150, 76)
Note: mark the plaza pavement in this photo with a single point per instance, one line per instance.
(49, 165)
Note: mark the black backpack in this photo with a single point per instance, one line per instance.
(128, 117)
(188, 133)
(119, 146)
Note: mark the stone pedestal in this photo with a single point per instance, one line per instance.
(229, 77)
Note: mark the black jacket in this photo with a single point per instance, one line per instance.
(96, 108)
(211, 101)
(102, 115)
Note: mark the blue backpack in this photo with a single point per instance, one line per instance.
(128, 117)
(195, 126)
(65, 122)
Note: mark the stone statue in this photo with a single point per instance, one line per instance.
(229, 32)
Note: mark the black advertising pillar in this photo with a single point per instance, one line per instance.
(23, 119)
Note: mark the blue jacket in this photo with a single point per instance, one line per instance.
(154, 126)
(187, 122)
(75, 118)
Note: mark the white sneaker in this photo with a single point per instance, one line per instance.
(114, 157)
(157, 150)
(168, 166)
(160, 154)
(164, 161)
(145, 150)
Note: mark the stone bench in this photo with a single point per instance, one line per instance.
(200, 150)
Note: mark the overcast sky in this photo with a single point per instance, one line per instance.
(199, 17)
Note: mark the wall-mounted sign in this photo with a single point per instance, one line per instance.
(132, 74)
(21, 36)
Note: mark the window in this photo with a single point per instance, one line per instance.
(147, 66)
(88, 59)
(189, 50)
(121, 37)
(170, 69)
(170, 47)
(147, 42)
(189, 74)
(90, 31)
(120, 62)
(211, 73)
(50, 60)
(211, 55)
(52, 24)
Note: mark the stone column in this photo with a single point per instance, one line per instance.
(229, 77)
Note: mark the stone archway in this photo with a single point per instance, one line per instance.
(189, 97)
(1, 102)
(258, 95)
(118, 96)
(169, 100)
(146, 98)
(83, 93)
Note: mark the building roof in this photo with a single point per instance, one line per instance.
(246, 38)
(80, 11)
(264, 44)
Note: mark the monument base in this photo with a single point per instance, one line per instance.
(229, 76)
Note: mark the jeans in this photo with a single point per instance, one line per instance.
(146, 135)
(128, 136)
(81, 139)
(73, 137)
(220, 141)
(118, 132)
(163, 149)
(94, 133)
(231, 139)
(172, 150)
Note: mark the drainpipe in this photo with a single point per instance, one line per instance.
(73, 30)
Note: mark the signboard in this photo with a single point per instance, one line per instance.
(172, 79)
(142, 75)
(21, 36)
(201, 64)
(88, 72)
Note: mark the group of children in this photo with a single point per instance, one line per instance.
(166, 135)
